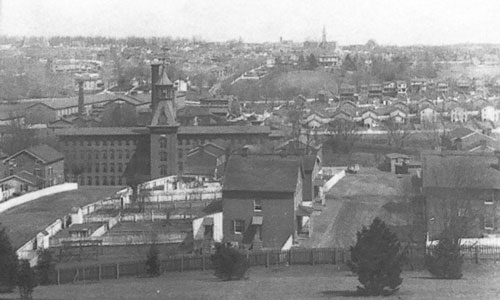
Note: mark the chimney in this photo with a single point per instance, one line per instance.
(155, 76)
(81, 106)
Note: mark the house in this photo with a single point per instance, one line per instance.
(207, 160)
(428, 115)
(389, 89)
(398, 162)
(370, 118)
(347, 92)
(459, 115)
(418, 85)
(442, 87)
(466, 139)
(461, 189)
(316, 120)
(490, 113)
(463, 84)
(38, 166)
(39, 113)
(262, 201)
(402, 87)
(375, 91)
(398, 115)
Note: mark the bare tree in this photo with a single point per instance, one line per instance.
(342, 134)
(397, 133)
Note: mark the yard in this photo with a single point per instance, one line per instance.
(297, 282)
(355, 201)
(25, 221)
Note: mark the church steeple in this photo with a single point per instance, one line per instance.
(323, 40)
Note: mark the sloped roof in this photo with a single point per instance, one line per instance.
(459, 132)
(164, 115)
(43, 152)
(261, 174)
(230, 129)
(457, 169)
(210, 148)
(164, 80)
(24, 176)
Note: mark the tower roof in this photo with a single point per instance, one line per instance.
(164, 80)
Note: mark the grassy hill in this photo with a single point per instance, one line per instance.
(284, 85)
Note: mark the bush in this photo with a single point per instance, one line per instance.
(46, 268)
(8, 263)
(26, 280)
(153, 262)
(445, 260)
(378, 259)
(229, 263)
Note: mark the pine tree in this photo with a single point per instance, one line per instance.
(153, 262)
(45, 267)
(8, 263)
(229, 263)
(26, 280)
(445, 260)
(378, 259)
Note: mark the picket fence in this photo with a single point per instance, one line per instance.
(193, 262)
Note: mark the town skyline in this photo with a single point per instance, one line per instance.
(347, 22)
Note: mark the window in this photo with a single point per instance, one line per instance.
(163, 170)
(89, 167)
(488, 222)
(104, 180)
(89, 143)
(82, 154)
(180, 166)
(257, 205)
(163, 156)
(112, 154)
(119, 153)
(163, 142)
(111, 167)
(119, 181)
(112, 180)
(112, 142)
(127, 153)
(489, 200)
(96, 152)
(120, 167)
(180, 154)
(96, 182)
(89, 180)
(238, 226)
(104, 154)
(127, 142)
(97, 167)
(89, 154)
(105, 167)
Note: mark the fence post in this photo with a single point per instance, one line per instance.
(334, 258)
(476, 254)
(343, 256)
(203, 262)
(117, 271)
(289, 257)
(267, 259)
(58, 276)
(100, 272)
(182, 262)
(312, 256)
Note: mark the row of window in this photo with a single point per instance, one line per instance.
(100, 142)
(102, 180)
(239, 225)
(103, 167)
(98, 154)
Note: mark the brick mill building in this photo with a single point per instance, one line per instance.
(105, 155)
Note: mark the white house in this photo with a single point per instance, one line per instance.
(489, 113)
(428, 115)
(398, 115)
(459, 114)
(370, 118)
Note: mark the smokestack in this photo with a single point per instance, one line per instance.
(81, 106)
(155, 76)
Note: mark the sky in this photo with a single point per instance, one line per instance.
(394, 22)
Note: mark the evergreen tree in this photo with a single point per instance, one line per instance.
(8, 263)
(445, 260)
(26, 280)
(46, 267)
(312, 62)
(378, 259)
(229, 263)
(153, 261)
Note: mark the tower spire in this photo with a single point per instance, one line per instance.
(323, 40)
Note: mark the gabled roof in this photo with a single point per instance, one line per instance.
(164, 80)
(459, 132)
(164, 115)
(44, 153)
(209, 148)
(458, 169)
(261, 174)
(23, 176)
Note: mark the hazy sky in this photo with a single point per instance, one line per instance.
(400, 22)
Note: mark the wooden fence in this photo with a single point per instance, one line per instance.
(295, 256)
(181, 263)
